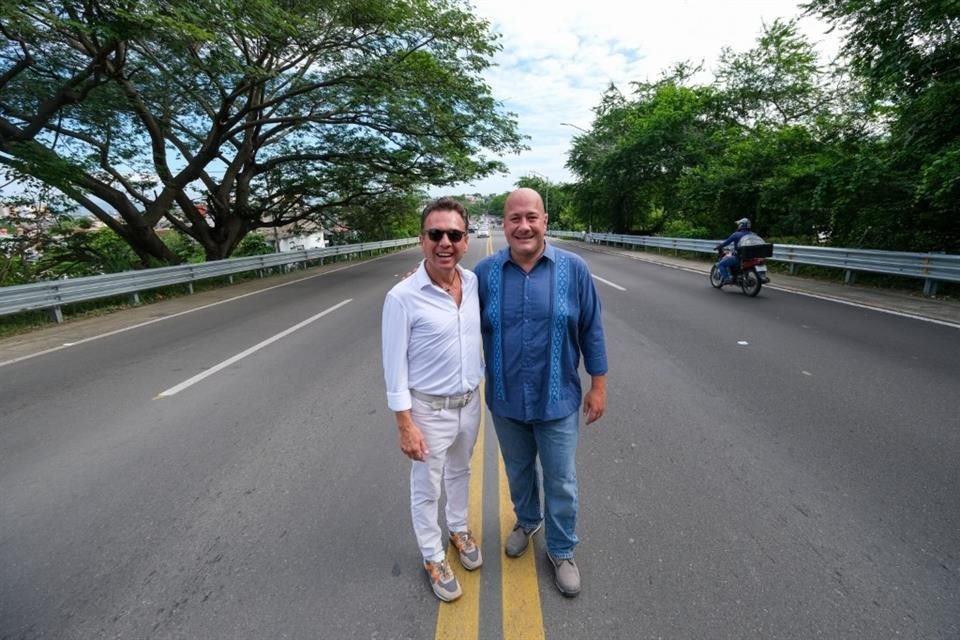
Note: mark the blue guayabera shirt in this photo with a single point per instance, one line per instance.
(535, 326)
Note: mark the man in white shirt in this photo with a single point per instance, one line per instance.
(433, 365)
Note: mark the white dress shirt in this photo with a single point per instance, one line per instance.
(430, 344)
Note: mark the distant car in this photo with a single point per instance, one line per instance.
(483, 231)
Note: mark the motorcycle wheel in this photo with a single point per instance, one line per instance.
(750, 283)
(715, 278)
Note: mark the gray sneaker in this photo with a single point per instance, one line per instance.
(566, 576)
(519, 540)
(467, 547)
(442, 580)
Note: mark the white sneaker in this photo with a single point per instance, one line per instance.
(468, 549)
(442, 580)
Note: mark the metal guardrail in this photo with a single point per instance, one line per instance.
(53, 294)
(931, 267)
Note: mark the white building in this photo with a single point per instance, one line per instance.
(302, 242)
(299, 236)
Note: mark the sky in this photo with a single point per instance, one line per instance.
(558, 58)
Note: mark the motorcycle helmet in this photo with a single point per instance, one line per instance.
(743, 223)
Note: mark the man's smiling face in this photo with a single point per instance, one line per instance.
(443, 254)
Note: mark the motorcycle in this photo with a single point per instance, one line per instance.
(750, 270)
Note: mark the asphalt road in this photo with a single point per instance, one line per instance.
(778, 467)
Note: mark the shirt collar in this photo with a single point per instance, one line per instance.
(423, 279)
(420, 275)
(549, 252)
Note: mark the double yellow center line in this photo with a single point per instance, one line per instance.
(520, 594)
(519, 588)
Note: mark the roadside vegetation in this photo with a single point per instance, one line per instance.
(189, 130)
(861, 152)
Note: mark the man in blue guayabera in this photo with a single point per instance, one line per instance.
(539, 312)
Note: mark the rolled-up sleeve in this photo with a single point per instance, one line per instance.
(395, 336)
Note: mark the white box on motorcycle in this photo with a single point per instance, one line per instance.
(753, 246)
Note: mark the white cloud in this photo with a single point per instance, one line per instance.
(559, 57)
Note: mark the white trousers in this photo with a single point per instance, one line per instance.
(450, 436)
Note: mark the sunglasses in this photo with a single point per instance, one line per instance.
(436, 235)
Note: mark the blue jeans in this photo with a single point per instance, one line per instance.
(724, 266)
(556, 443)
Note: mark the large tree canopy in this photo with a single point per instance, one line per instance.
(262, 111)
(864, 151)
(908, 54)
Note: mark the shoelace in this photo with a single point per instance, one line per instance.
(445, 573)
(465, 540)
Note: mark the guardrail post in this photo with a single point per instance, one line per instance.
(230, 278)
(849, 277)
(56, 314)
(134, 298)
(794, 269)
(929, 287)
(190, 288)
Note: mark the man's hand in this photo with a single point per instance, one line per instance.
(595, 402)
(412, 442)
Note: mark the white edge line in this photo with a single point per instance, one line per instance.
(902, 314)
(174, 315)
(607, 282)
(243, 354)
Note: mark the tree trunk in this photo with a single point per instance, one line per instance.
(148, 246)
(224, 238)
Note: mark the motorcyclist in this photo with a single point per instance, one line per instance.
(743, 229)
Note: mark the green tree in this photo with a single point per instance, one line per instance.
(79, 251)
(562, 201)
(254, 244)
(907, 53)
(764, 155)
(766, 139)
(391, 215)
(35, 219)
(495, 204)
(186, 248)
(629, 164)
(262, 113)
(778, 83)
